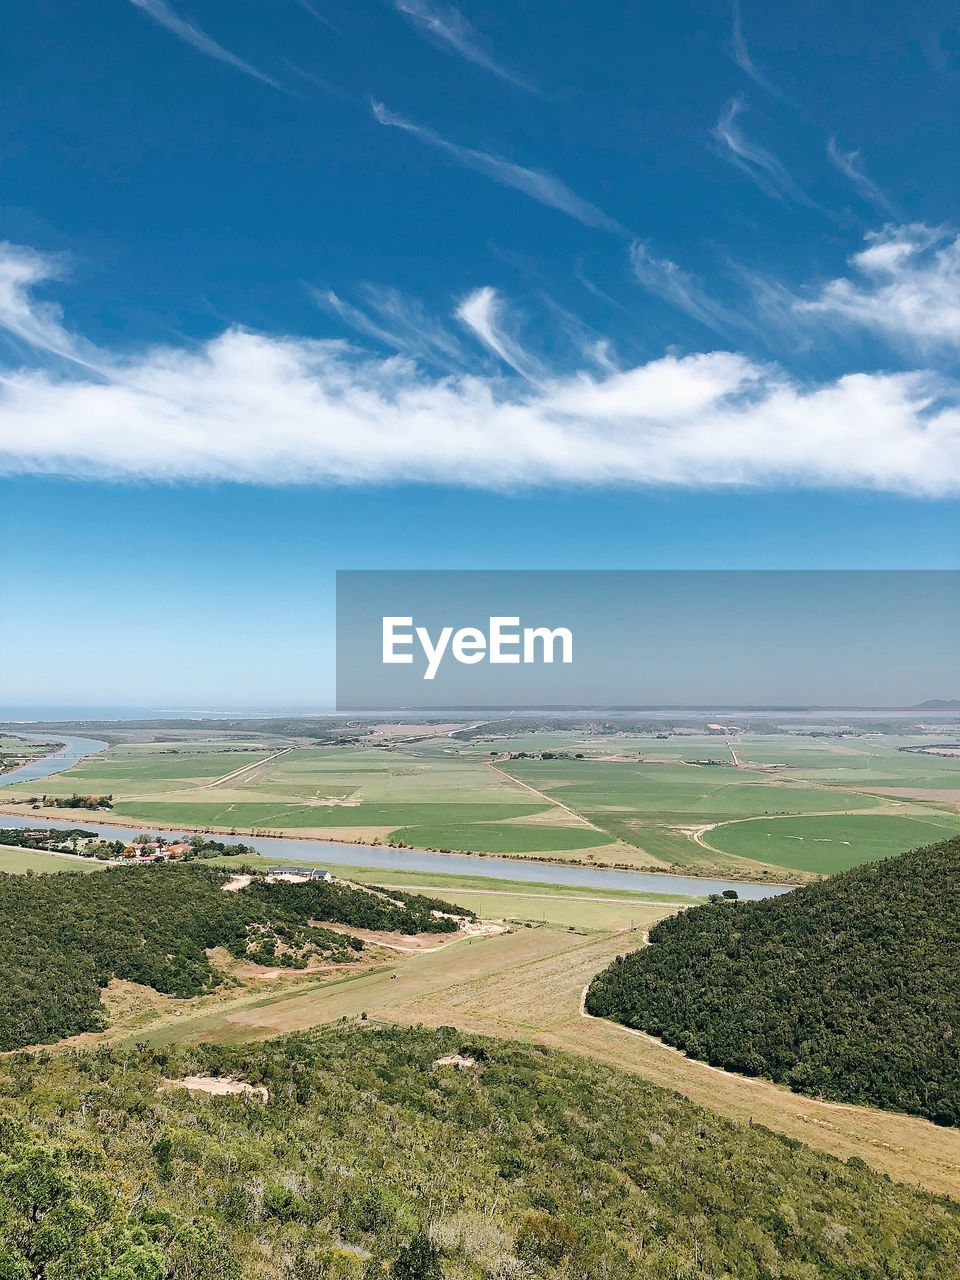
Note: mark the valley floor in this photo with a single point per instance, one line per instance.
(528, 985)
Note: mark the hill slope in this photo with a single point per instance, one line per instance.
(848, 988)
(65, 936)
(372, 1158)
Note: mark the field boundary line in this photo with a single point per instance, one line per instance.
(557, 804)
(254, 764)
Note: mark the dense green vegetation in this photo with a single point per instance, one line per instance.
(60, 839)
(848, 988)
(371, 1159)
(87, 844)
(66, 936)
(73, 801)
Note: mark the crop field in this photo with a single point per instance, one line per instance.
(151, 769)
(675, 803)
(829, 844)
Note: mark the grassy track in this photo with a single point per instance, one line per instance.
(527, 985)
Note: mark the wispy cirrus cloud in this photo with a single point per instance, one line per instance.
(666, 280)
(448, 27)
(760, 165)
(908, 288)
(484, 315)
(166, 17)
(740, 53)
(321, 17)
(535, 183)
(339, 416)
(37, 325)
(398, 322)
(850, 164)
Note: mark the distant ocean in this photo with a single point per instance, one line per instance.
(22, 712)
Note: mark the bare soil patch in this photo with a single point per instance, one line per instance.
(418, 943)
(218, 1086)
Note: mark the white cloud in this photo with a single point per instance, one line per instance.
(909, 289)
(758, 163)
(257, 409)
(37, 324)
(539, 186)
(741, 54)
(161, 13)
(666, 280)
(483, 313)
(850, 164)
(449, 27)
(396, 321)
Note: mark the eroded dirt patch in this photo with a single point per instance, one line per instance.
(218, 1086)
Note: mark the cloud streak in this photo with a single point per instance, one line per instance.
(398, 322)
(484, 315)
(448, 27)
(534, 183)
(741, 54)
(666, 280)
(760, 165)
(166, 17)
(257, 409)
(850, 164)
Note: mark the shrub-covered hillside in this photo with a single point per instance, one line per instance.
(371, 1159)
(65, 936)
(849, 988)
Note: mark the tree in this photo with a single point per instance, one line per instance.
(418, 1260)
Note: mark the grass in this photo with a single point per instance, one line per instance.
(559, 910)
(829, 844)
(527, 985)
(247, 815)
(492, 837)
(441, 793)
(18, 861)
(684, 792)
(125, 770)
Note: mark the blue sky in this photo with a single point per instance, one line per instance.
(296, 286)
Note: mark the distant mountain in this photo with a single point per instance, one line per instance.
(848, 988)
(938, 704)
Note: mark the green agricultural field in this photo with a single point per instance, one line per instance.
(491, 837)
(828, 844)
(142, 770)
(650, 807)
(685, 793)
(276, 816)
(17, 861)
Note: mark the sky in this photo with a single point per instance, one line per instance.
(308, 285)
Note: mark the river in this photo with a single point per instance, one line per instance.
(330, 852)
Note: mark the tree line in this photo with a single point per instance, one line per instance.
(64, 937)
(848, 988)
